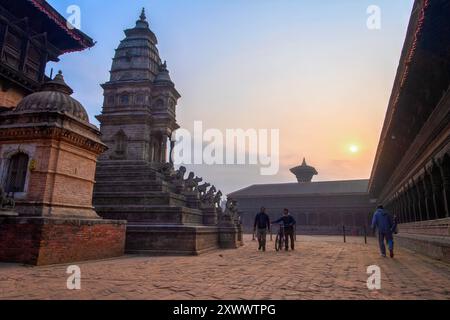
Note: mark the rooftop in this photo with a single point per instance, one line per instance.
(304, 189)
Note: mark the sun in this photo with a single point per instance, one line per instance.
(354, 148)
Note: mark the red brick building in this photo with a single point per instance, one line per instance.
(48, 150)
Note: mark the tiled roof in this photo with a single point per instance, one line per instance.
(300, 189)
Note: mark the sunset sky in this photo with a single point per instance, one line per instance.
(309, 68)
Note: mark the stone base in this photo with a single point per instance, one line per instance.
(431, 246)
(45, 241)
(171, 239)
(228, 238)
(430, 238)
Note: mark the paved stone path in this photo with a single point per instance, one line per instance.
(321, 268)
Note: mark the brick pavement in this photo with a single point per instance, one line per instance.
(321, 268)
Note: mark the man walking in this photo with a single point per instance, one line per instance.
(382, 222)
(262, 225)
(289, 224)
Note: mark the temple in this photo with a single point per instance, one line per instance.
(48, 148)
(411, 174)
(167, 211)
(319, 207)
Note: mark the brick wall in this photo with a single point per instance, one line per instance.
(10, 97)
(40, 241)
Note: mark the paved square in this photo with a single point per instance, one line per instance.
(321, 268)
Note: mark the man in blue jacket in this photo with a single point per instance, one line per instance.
(288, 223)
(261, 227)
(382, 222)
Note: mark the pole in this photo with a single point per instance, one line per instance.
(271, 239)
(365, 234)
(345, 238)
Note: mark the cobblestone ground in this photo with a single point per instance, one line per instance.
(320, 268)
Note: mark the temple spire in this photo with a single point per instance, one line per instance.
(142, 16)
(142, 22)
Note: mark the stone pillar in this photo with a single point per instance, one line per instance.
(415, 202)
(192, 199)
(228, 233)
(163, 154)
(431, 211)
(210, 215)
(445, 175)
(407, 203)
(423, 200)
(437, 187)
(172, 148)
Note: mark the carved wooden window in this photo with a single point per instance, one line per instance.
(33, 65)
(17, 173)
(12, 50)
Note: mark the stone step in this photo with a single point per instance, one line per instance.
(146, 186)
(123, 187)
(151, 214)
(121, 176)
(138, 198)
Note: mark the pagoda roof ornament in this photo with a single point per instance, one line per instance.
(304, 172)
(142, 16)
(142, 23)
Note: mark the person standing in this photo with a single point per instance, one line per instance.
(289, 226)
(383, 222)
(261, 227)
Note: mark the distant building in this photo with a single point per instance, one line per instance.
(318, 207)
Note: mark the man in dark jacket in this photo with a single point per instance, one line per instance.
(262, 225)
(289, 224)
(382, 222)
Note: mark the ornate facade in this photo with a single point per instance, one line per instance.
(411, 174)
(167, 212)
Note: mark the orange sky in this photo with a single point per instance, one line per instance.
(312, 70)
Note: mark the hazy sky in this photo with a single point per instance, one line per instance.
(309, 68)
